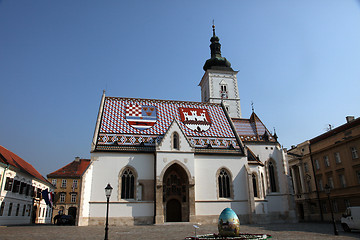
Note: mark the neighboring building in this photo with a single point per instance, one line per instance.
(180, 161)
(67, 181)
(329, 159)
(21, 186)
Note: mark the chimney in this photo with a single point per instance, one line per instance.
(77, 159)
(350, 118)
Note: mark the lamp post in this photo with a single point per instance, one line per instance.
(327, 191)
(108, 190)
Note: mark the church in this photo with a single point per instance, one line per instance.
(183, 161)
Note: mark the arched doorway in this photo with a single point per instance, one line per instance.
(173, 211)
(176, 194)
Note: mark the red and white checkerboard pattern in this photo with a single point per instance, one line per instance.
(133, 110)
(115, 111)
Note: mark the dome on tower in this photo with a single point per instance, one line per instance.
(216, 61)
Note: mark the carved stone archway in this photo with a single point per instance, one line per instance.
(175, 190)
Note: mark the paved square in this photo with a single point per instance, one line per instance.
(176, 231)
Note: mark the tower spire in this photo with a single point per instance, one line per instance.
(216, 61)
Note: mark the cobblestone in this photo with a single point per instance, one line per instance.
(175, 231)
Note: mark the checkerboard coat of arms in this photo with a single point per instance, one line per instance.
(141, 116)
(196, 119)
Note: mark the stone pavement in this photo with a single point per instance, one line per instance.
(174, 231)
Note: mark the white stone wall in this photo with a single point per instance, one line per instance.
(206, 188)
(106, 168)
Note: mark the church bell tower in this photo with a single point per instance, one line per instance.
(219, 83)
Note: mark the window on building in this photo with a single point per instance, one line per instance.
(9, 183)
(223, 91)
(358, 176)
(254, 182)
(27, 190)
(331, 182)
(175, 141)
(54, 182)
(337, 157)
(73, 198)
(23, 211)
(10, 209)
(38, 192)
(62, 197)
(224, 184)
(326, 161)
(43, 212)
(320, 184)
(127, 184)
(306, 168)
(272, 177)
(22, 188)
(16, 186)
(342, 180)
(75, 184)
(17, 209)
(354, 153)
(2, 206)
(317, 165)
(63, 183)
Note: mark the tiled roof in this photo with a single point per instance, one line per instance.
(74, 169)
(252, 129)
(124, 123)
(8, 157)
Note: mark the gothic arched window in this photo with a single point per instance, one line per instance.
(272, 177)
(175, 141)
(254, 182)
(127, 184)
(224, 184)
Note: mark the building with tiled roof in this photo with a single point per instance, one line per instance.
(21, 198)
(331, 159)
(183, 161)
(67, 181)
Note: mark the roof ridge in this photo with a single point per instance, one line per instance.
(163, 100)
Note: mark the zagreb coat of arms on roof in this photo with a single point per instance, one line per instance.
(196, 119)
(141, 116)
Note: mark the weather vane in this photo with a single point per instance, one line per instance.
(252, 106)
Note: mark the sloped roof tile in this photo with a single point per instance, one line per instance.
(252, 129)
(116, 128)
(8, 157)
(73, 169)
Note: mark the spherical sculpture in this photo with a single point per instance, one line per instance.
(229, 224)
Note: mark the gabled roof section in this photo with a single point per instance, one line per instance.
(130, 124)
(252, 158)
(74, 169)
(252, 129)
(8, 157)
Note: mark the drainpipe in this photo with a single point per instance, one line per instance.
(3, 177)
(316, 186)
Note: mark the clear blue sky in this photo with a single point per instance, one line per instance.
(298, 62)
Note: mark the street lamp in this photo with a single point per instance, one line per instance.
(108, 190)
(327, 191)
